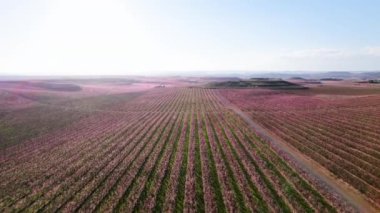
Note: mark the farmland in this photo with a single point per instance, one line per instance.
(336, 127)
(181, 149)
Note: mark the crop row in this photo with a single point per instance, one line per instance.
(173, 149)
(340, 134)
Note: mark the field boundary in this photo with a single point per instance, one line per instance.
(352, 196)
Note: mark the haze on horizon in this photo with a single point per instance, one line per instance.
(131, 37)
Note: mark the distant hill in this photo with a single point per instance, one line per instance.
(54, 86)
(267, 83)
(322, 75)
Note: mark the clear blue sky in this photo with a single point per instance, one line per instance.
(150, 37)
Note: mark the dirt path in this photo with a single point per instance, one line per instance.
(353, 197)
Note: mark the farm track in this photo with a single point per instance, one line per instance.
(172, 149)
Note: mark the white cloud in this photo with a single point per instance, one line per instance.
(318, 53)
(327, 59)
(332, 53)
(373, 51)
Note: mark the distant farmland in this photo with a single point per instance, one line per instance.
(183, 149)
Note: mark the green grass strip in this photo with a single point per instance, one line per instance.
(120, 204)
(218, 195)
(161, 193)
(291, 193)
(239, 195)
(280, 202)
(199, 196)
(262, 206)
(112, 191)
(180, 198)
(300, 181)
(150, 181)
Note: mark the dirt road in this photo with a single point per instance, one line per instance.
(349, 194)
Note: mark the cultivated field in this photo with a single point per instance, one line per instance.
(181, 148)
(337, 127)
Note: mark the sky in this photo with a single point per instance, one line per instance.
(153, 37)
